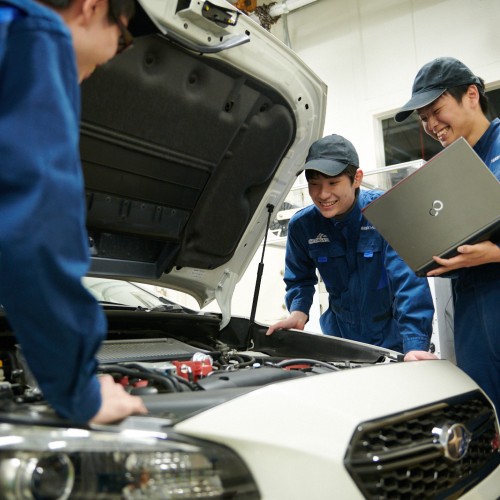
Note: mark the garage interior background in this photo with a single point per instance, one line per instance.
(368, 53)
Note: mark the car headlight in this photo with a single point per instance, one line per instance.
(43, 463)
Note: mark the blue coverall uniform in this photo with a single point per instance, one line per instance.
(44, 248)
(476, 293)
(374, 296)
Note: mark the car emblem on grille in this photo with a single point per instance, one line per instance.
(454, 439)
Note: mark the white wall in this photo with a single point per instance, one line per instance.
(369, 51)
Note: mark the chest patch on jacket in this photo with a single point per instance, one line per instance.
(321, 238)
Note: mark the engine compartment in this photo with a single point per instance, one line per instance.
(181, 363)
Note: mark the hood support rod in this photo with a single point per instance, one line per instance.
(260, 271)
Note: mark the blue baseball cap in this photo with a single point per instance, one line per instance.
(331, 155)
(433, 80)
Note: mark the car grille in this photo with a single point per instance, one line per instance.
(403, 457)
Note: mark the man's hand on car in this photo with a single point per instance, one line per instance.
(419, 355)
(297, 320)
(116, 402)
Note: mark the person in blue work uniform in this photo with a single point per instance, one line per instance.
(374, 297)
(46, 50)
(451, 102)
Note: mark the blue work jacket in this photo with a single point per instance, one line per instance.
(476, 293)
(374, 296)
(44, 248)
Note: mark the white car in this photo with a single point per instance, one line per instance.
(190, 142)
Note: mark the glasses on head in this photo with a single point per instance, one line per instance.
(126, 39)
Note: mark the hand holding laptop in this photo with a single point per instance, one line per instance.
(468, 256)
(451, 202)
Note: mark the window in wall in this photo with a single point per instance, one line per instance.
(407, 141)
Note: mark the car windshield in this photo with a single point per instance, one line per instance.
(135, 295)
(121, 292)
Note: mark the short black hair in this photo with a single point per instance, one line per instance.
(57, 4)
(458, 92)
(350, 171)
(116, 9)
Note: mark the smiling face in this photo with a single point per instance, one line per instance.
(333, 195)
(447, 119)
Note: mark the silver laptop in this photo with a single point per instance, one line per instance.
(453, 199)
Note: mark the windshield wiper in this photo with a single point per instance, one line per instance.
(116, 305)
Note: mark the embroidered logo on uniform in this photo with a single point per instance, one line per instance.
(321, 238)
(495, 159)
(367, 228)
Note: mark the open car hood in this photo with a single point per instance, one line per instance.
(188, 141)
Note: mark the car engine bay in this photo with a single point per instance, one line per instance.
(178, 373)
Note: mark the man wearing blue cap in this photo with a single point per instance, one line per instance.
(374, 296)
(451, 103)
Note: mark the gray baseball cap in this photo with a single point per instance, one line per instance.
(331, 155)
(433, 80)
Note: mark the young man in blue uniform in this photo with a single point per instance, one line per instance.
(451, 103)
(45, 51)
(374, 296)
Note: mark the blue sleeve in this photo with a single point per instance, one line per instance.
(43, 240)
(413, 306)
(300, 271)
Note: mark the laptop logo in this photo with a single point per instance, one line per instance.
(437, 206)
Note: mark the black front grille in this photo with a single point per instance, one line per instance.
(401, 457)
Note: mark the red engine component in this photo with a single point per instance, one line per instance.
(193, 370)
(125, 382)
(495, 443)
